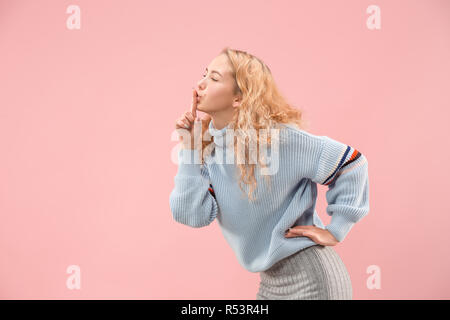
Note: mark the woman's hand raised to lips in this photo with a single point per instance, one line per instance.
(187, 120)
(316, 234)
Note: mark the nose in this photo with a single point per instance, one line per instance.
(200, 83)
(199, 87)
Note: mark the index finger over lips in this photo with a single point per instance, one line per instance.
(194, 104)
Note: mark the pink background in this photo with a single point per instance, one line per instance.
(86, 124)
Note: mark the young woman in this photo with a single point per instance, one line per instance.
(267, 215)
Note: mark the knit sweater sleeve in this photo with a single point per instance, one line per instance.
(345, 171)
(192, 201)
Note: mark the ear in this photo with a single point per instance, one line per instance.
(237, 102)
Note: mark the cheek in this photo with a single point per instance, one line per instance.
(218, 95)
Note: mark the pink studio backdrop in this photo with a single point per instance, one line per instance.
(87, 117)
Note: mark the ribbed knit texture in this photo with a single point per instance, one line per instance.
(255, 229)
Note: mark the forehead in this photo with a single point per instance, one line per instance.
(221, 64)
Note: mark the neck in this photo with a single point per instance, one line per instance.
(221, 120)
(219, 124)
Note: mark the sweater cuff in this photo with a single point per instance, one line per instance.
(189, 162)
(339, 226)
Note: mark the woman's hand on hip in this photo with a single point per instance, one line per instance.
(316, 234)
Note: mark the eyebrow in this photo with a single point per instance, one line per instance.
(215, 72)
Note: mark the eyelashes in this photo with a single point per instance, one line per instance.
(211, 78)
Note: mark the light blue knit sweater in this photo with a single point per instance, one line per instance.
(255, 230)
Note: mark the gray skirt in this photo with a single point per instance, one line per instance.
(314, 273)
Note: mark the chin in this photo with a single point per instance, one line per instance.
(201, 108)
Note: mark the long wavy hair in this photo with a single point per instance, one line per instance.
(262, 107)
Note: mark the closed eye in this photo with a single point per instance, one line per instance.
(211, 78)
